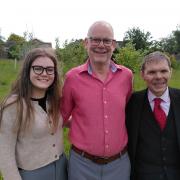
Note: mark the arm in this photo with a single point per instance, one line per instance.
(8, 139)
(67, 102)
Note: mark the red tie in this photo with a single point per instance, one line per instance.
(159, 114)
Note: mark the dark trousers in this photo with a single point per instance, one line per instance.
(165, 175)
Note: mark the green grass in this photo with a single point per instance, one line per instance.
(8, 73)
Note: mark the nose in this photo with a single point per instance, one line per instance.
(44, 72)
(158, 75)
(101, 43)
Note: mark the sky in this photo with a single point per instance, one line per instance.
(70, 19)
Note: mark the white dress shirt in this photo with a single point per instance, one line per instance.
(165, 104)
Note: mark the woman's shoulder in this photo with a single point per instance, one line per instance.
(12, 99)
(9, 102)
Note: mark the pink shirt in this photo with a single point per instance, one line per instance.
(97, 109)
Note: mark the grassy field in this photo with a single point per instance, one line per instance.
(9, 71)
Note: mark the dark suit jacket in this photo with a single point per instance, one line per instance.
(134, 110)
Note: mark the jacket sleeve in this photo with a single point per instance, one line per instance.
(8, 139)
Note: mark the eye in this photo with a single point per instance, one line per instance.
(38, 68)
(151, 72)
(50, 70)
(107, 41)
(97, 40)
(164, 71)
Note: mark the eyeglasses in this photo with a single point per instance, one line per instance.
(40, 69)
(96, 41)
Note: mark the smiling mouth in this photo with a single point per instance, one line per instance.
(43, 80)
(159, 84)
(100, 51)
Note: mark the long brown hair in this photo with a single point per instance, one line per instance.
(22, 89)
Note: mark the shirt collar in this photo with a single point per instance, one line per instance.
(165, 96)
(87, 67)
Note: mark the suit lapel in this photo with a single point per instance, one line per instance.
(175, 101)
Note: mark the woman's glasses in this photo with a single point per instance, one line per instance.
(40, 69)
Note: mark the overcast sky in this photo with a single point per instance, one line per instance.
(67, 19)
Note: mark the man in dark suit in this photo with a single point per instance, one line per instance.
(154, 129)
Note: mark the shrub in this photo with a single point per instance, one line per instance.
(130, 57)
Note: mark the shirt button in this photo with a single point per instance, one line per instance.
(52, 134)
(56, 156)
(105, 102)
(106, 116)
(106, 131)
(54, 145)
(104, 88)
(107, 146)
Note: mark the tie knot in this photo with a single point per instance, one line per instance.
(157, 101)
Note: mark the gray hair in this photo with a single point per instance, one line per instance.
(155, 57)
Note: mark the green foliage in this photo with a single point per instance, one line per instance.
(8, 74)
(171, 44)
(129, 57)
(140, 39)
(27, 45)
(15, 42)
(1, 47)
(174, 63)
(1, 44)
(72, 54)
(1, 177)
(176, 34)
(168, 44)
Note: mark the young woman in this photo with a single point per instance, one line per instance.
(31, 141)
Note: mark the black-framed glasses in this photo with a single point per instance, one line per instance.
(40, 69)
(96, 41)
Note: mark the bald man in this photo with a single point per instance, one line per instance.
(95, 95)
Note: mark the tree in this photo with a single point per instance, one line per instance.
(140, 39)
(15, 42)
(168, 44)
(27, 44)
(57, 43)
(72, 54)
(171, 44)
(1, 44)
(130, 57)
(176, 34)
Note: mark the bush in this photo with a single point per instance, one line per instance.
(72, 54)
(174, 63)
(130, 57)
